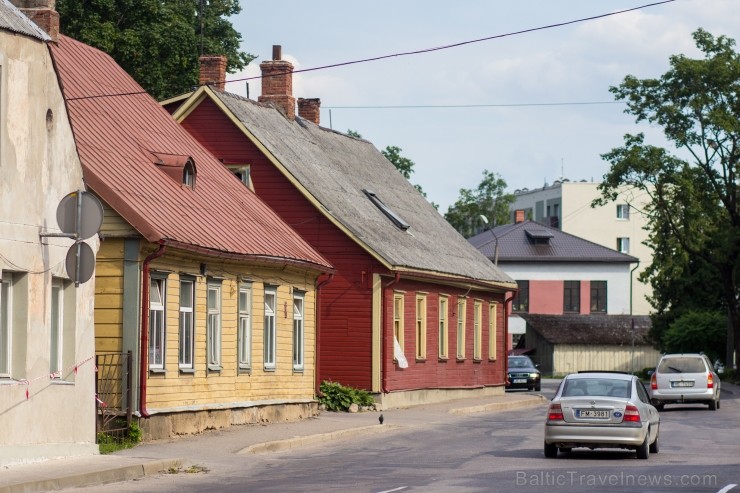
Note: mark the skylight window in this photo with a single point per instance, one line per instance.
(395, 218)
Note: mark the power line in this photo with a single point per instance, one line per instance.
(503, 105)
(421, 51)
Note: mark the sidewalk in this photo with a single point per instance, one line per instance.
(205, 449)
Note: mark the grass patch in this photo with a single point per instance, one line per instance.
(109, 443)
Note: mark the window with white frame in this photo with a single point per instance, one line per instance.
(244, 338)
(6, 332)
(421, 326)
(492, 327)
(56, 328)
(477, 330)
(461, 304)
(187, 324)
(623, 211)
(443, 341)
(298, 331)
(156, 323)
(213, 326)
(623, 245)
(270, 330)
(398, 319)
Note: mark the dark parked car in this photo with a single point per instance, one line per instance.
(523, 374)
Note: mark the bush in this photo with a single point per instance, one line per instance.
(337, 397)
(108, 443)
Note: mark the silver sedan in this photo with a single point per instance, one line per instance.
(602, 410)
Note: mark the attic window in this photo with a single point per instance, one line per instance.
(539, 236)
(243, 172)
(395, 218)
(180, 168)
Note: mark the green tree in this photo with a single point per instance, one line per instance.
(404, 165)
(698, 331)
(157, 43)
(693, 216)
(489, 200)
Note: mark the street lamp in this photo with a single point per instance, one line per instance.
(495, 247)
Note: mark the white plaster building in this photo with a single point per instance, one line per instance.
(47, 366)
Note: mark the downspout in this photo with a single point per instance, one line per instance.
(631, 272)
(507, 302)
(317, 348)
(384, 382)
(145, 326)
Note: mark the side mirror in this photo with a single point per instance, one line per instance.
(650, 373)
(536, 365)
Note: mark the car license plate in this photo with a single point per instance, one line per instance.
(591, 413)
(682, 383)
(519, 380)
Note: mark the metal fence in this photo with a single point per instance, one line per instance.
(113, 393)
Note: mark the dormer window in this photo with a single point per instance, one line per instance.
(395, 218)
(539, 236)
(178, 167)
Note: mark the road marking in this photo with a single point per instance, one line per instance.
(727, 488)
(404, 487)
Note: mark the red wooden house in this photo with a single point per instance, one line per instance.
(414, 313)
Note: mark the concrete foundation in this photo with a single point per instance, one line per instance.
(409, 398)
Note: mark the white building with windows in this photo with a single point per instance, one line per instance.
(619, 225)
(47, 366)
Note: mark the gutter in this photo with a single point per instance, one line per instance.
(384, 382)
(144, 351)
(317, 339)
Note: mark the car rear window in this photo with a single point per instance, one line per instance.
(681, 365)
(596, 387)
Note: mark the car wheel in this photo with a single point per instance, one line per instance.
(713, 405)
(551, 451)
(655, 446)
(659, 407)
(643, 451)
(538, 387)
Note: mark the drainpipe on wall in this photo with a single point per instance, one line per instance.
(317, 324)
(631, 272)
(384, 383)
(145, 326)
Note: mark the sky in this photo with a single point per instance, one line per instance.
(532, 107)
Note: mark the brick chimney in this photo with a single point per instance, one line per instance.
(309, 109)
(212, 71)
(277, 83)
(519, 216)
(42, 13)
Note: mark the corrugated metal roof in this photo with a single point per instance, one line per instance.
(334, 169)
(590, 329)
(13, 20)
(529, 241)
(118, 127)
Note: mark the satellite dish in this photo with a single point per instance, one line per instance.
(80, 262)
(90, 212)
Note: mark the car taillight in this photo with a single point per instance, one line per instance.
(631, 413)
(710, 381)
(555, 413)
(654, 382)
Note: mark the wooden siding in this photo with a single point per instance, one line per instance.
(109, 297)
(346, 344)
(569, 358)
(114, 225)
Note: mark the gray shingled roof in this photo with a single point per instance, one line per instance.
(12, 19)
(516, 243)
(589, 329)
(335, 169)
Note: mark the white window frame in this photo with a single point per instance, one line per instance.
(6, 325)
(157, 285)
(299, 306)
(213, 326)
(443, 328)
(623, 212)
(186, 353)
(269, 351)
(623, 244)
(461, 308)
(492, 327)
(478, 330)
(244, 337)
(398, 326)
(421, 326)
(56, 329)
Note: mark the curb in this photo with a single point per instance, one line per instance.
(92, 478)
(288, 443)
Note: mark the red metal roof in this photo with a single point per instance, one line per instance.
(118, 127)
